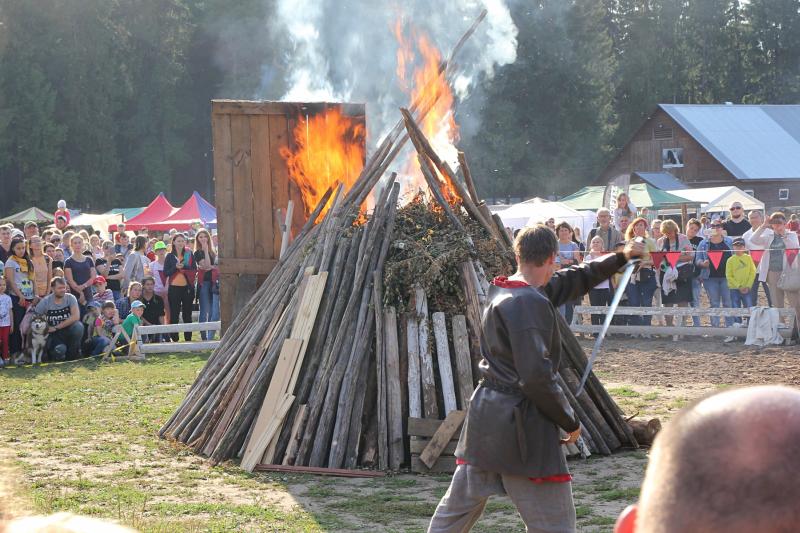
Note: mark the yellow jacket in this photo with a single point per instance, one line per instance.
(740, 271)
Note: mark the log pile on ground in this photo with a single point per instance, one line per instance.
(368, 325)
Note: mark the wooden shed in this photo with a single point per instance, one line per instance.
(252, 188)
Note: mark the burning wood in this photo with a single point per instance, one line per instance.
(336, 349)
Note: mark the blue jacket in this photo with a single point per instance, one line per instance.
(702, 255)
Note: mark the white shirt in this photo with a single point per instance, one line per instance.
(155, 269)
(747, 236)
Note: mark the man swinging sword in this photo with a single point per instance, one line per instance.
(510, 441)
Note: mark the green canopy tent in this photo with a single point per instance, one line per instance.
(641, 195)
(35, 214)
(126, 212)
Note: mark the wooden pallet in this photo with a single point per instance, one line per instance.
(433, 442)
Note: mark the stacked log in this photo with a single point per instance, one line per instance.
(321, 369)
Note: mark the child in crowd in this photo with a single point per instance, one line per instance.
(601, 293)
(740, 270)
(6, 322)
(61, 213)
(101, 291)
(133, 320)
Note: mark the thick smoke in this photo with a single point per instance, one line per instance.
(346, 50)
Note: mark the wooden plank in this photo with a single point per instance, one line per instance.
(223, 194)
(430, 402)
(248, 265)
(245, 288)
(227, 294)
(272, 402)
(416, 446)
(263, 246)
(248, 107)
(392, 374)
(445, 367)
(466, 385)
(443, 465)
(309, 305)
(278, 139)
(294, 439)
(442, 437)
(340, 472)
(179, 328)
(423, 427)
(242, 187)
(414, 384)
(178, 347)
(270, 433)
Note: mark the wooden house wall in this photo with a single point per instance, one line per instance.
(251, 184)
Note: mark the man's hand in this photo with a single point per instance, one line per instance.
(51, 329)
(572, 437)
(633, 249)
(744, 290)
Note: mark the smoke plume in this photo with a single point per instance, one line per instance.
(339, 50)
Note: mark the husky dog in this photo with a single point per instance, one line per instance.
(38, 338)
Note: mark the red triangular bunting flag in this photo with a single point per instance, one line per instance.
(756, 255)
(672, 257)
(791, 253)
(657, 258)
(715, 256)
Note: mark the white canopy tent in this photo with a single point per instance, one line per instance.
(538, 210)
(99, 222)
(716, 199)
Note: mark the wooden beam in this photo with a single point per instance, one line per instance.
(442, 437)
(340, 472)
(445, 367)
(466, 385)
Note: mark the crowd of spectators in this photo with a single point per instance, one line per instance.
(731, 259)
(89, 285)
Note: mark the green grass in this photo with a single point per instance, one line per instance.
(624, 392)
(83, 438)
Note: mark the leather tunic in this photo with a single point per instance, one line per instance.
(514, 416)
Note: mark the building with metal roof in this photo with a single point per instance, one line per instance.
(753, 147)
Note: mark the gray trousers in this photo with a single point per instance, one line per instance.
(544, 507)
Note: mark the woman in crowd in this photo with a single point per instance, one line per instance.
(678, 289)
(124, 304)
(642, 287)
(624, 209)
(80, 273)
(601, 293)
(713, 277)
(568, 254)
(20, 286)
(693, 233)
(180, 270)
(95, 245)
(42, 267)
(205, 257)
(110, 267)
(135, 262)
(775, 237)
(577, 239)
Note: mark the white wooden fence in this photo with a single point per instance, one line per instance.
(176, 347)
(679, 313)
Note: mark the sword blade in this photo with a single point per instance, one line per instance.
(623, 283)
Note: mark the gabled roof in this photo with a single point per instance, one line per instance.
(662, 180)
(31, 214)
(641, 195)
(195, 209)
(754, 142)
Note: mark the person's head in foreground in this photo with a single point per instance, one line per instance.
(728, 464)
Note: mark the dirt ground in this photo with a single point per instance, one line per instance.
(82, 438)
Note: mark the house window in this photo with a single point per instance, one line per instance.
(783, 194)
(751, 192)
(672, 157)
(661, 133)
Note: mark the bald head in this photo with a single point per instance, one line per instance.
(730, 462)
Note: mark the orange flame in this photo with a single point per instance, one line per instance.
(329, 150)
(439, 125)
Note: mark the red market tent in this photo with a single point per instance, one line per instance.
(158, 210)
(196, 209)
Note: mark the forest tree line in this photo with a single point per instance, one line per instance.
(105, 103)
